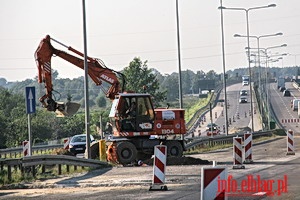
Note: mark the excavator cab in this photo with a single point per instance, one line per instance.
(132, 112)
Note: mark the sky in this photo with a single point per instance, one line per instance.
(118, 31)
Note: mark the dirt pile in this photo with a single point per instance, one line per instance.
(181, 161)
(239, 130)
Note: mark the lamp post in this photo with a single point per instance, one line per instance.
(179, 57)
(224, 72)
(86, 91)
(248, 42)
(265, 51)
(268, 88)
(258, 60)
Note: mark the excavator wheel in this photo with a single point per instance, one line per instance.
(94, 151)
(126, 152)
(174, 149)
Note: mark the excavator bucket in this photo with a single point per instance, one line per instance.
(68, 109)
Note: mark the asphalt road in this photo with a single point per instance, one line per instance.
(282, 105)
(183, 182)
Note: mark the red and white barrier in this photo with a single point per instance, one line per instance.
(237, 153)
(248, 147)
(212, 186)
(290, 121)
(66, 143)
(159, 168)
(25, 145)
(290, 143)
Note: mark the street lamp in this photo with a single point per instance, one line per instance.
(179, 57)
(224, 72)
(248, 42)
(268, 60)
(258, 59)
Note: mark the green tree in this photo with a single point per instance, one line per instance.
(101, 101)
(171, 85)
(140, 79)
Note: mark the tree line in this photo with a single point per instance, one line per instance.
(46, 126)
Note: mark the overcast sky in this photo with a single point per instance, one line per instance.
(119, 30)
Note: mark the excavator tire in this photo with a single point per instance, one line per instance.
(174, 149)
(126, 152)
(94, 151)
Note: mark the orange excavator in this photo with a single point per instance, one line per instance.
(137, 126)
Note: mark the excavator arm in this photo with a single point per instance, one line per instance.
(97, 71)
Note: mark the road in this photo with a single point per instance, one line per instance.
(238, 113)
(282, 105)
(183, 182)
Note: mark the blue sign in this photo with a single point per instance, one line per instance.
(30, 100)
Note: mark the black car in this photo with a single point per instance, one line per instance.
(78, 143)
(282, 89)
(286, 93)
(243, 92)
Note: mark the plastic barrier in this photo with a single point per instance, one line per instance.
(159, 168)
(248, 147)
(290, 143)
(210, 186)
(237, 153)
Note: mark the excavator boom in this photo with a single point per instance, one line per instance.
(97, 71)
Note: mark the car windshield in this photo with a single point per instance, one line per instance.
(79, 139)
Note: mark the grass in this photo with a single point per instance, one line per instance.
(50, 171)
(193, 104)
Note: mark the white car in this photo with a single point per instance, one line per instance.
(245, 83)
(243, 100)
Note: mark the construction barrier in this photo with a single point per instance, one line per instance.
(290, 121)
(290, 143)
(66, 143)
(25, 145)
(248, 147)
(212, 186)
(159, 168)
(237, 153)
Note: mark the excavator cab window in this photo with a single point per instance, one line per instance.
(134, 113)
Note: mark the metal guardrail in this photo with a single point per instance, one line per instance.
(61, 159)
(31, 163)
(15, 152)
(219, 139)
